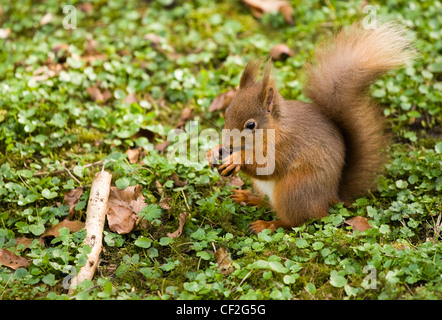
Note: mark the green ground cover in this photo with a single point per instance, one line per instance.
(71, 101)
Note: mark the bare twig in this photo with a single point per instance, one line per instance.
(45, 173)
(95, 217)
(74, 177)
(242, 281)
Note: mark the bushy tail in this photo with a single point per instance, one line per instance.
(338, 84)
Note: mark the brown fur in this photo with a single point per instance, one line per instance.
(338, 85)
(328, 150)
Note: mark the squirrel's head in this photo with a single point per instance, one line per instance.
(256, 102)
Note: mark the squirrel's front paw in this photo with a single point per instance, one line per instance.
(231, 164)
(213, 156)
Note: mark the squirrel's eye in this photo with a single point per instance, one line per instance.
(251, 125)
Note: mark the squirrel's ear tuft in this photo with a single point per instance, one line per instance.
(249, 74)
(268, 91)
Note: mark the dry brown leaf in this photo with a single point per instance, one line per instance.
(164, 203)
(186, 115)
(177, 182)
(121, 218)
(153, 38)
(43, 73)
(223, 260)
(260, 7)
(131, 98)
(161, 147)
(182, 220)
(86, 7)
(138, 204)
(60, 47)
(280, 52)
(71, 198)
(90, 46)
(61, 52)
(159, 187)
(94, 57)
(11, 260)
(90, 51)
(133, 154)
(72, 225)
(4, 33)
(26, 241)
(287, 12)
(222, 101)
(358, 223)
(47, 18)
(98, 95)
(124, 206)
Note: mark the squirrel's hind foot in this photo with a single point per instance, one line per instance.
(260, 225)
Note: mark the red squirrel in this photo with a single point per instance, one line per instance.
(326, 151)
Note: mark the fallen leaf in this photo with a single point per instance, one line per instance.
(182, 220)
(164, 204)
(223, 260)
(159, 187)
(4, 33)
(61, 52)
(131, 98)
(90, 51)
(358, 223)
(177, 182)
(90, 46)
(124, 52)
(26, 241)
(86, 7)
(186, 115)
(138, 204)
(161, 147)
(287, 12)
(153, 38)
(72, 225)
(47, 18)
(121, 219)
(12, 260)
(260, 7)
(124, 206)
(222, 101)
(98, 95)
(71, 198)
(133, 154)
(59, 47)
(43, 73)
(280, 52)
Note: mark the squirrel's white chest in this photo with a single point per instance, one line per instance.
(265, 187)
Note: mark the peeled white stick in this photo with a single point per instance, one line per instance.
(95, 216)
